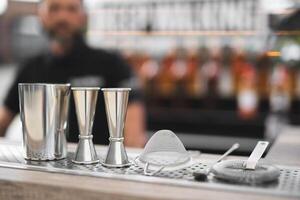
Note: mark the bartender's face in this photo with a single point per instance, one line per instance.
(62, 19)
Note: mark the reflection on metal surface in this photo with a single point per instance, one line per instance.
(85, 103)
(116, 100)
(287, 185)
(44, 115)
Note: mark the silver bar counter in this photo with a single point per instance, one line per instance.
(29, 184)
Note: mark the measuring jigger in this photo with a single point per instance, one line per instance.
(85, 102)
(116, 100)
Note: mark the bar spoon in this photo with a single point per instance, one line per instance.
(202, 176)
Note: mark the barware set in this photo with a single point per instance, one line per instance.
(44, 116)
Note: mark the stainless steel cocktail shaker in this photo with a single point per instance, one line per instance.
(44, 116)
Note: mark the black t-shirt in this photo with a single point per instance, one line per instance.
(83, 66)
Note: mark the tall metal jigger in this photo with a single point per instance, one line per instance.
(85, 103)
(116, 100)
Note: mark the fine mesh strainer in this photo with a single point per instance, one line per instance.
(164, 150)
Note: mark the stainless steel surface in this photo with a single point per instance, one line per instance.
(288, 184)
(85, 104)
(116, 100)
(256, 154)
(44, 116)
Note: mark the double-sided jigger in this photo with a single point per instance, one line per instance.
(85, 103)
(116, 100)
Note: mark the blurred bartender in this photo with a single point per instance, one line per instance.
(70, 60)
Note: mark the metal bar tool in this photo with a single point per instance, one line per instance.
(85, 103)
(116, 100)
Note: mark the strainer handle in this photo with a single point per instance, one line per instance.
(256, 154)
(148, 173)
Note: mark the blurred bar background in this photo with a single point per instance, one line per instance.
(213, 71)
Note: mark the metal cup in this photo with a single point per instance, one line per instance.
(116, 100)
(85, 102)
(44, 116)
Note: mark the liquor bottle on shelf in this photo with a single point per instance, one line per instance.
(166, 81)
(210, 72)
(148, 73)
(193, 79)
(204, 57)
(247, 97)
(179, 70)
(225, 84)
(281, 89)
(263, 66)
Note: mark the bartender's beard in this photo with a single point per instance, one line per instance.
(61, 45)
